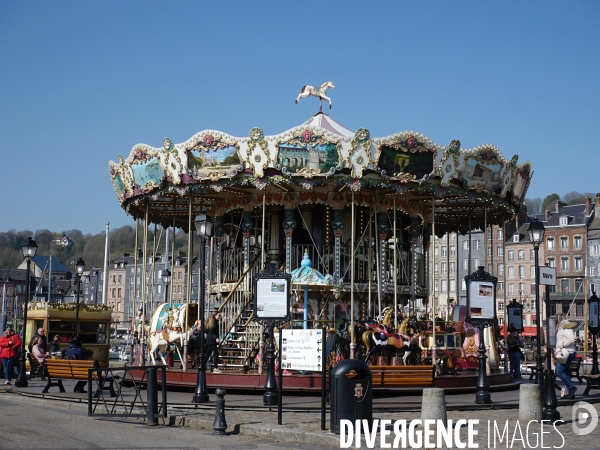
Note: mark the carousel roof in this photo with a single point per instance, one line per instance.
(321, 161)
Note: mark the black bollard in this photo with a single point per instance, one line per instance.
(152, 397)
(220, 424)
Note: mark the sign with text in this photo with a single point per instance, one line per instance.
(302, 349)
(271, 298)
(548, 276)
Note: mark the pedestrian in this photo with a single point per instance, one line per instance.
(565, 341)
(38, 351)
(10, 343)
(55, 346)
(74, 351)
(514, 343)
(39, 333)
(212, 339)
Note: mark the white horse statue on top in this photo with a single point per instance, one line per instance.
(160, 339)
(321, 92)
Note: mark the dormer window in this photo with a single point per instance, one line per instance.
(564, 220)
(515, 238)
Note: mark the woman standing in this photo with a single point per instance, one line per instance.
(212, 339)
(10, 343)
(565, 339)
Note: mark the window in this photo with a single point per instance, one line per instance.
(120, 279)
(521, 271)
(500, 285)
(516, 237)
(436, 268)
(453, 250)
(551, 262)
(444, 285)
(564, 243)
(500, 234)
(511, 289)
(452, 267)
(564, 220)
(465, 245)
(577, 242)
(119, 292)
(532, 271)
(500, 321)
(511, 255)
(533, 304)
(594, 250)
(463, 285)
(578, 286)
(578, 263)
(533, 320)
(452, 285)
(531, 255)
(114, 279)
(501, 306)
(490, 269)
(564, 264)
(511, 272)
(114, 291)
(444, 268)
(490, 251)
(532, 290)
(500, 251)
(477, 244)
(500, 269)
(436, 252)
(444, 251)
(437, 286)
(550, 244)
(465, 264)
(476, 262)
(521, 255)
(564, 285)
(592, 271)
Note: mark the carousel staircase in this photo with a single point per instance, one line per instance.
(240, 345)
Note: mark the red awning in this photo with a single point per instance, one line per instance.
(528, 331)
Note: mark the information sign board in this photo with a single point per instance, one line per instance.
(302, 349)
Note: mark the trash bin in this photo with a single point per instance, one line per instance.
(350, 395)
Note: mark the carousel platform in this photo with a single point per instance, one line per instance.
(310, 383)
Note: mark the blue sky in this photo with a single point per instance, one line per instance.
(82, 82)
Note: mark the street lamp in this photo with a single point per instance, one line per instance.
(29, 250)
(166, 278)
(204, 229)
(536, 237)
(594, 325)
(80, 267)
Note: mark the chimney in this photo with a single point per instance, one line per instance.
(125, 255)
(547, 214)
(556, 206)
(588, 206)
(139, 253)
(597, 200)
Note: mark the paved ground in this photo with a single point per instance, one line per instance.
(301, 416)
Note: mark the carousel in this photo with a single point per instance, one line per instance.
(362, 210)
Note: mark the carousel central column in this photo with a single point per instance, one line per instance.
(274, 255)
(337, 225)
(414, 238)
(383, 230)
(247, 228)
(288, 228)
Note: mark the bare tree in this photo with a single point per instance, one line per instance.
(534, 205)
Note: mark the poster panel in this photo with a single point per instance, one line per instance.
(481, 300)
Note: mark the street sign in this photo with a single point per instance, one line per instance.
(548, 276)
(302, 349)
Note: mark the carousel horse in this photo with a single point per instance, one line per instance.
(159, 340)
(307, 91)
(392, 341)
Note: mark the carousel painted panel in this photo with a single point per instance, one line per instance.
(407, 158)
(482, 169)
(213, 156)
(148, 174)
(522, 179)
(308, 153)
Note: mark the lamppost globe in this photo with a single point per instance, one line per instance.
(166, 278)
(204, 228)
(29, 251)
(536, 232)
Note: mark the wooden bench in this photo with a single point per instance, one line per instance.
(403, 376)
(35, 368)
(593, 382)
(64, 369)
